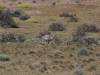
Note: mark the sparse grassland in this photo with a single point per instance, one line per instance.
(34, 56)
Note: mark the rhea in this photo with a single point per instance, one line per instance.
(48, 38)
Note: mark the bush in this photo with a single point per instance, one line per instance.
(56, 27)
(16, 13)
(6, 21)
(89, 28)
(82, 51)
(78, 35)
(21, 38)
(89, 40)
(65, 14)
(24, 17)
(57, 40)
(52, 19)
(31, 21)
(8, 37)
(4, 57)
(2, 7)
(78, 71)
(53, 3)
(19, 13)
(24, 6)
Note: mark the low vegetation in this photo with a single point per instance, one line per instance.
(2, 6)
(10, 37)
(82, 52)
(24, 6)
(31, 20)
(56, 27)
(51, 38)
(52, 19)
(6, 21)
(4, 57)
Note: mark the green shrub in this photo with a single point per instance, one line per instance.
(24, 6)
(52, 19)
(31, 21)
(4, 57)
(82, 51)
(2, 7)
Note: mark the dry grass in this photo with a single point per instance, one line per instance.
(24, 54)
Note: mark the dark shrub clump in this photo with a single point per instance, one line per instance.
(21, 38)
(10, 37)
(65, 14)
(89, 28)
(56, 27)
(6, 21)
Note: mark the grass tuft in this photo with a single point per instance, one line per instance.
(24, 6)
(52, 19)
(2, 6)
(31, 21)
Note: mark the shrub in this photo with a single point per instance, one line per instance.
(78, 71)
(89, 40)
(31, 21)
(93, 28)
(6, 11)
(53, 3)
(73, 19)
(2, 7)
(34, 1)
(16, 13)
(8, 37)
(65, 14)
(89, 28)
(57, 40)
(19, 13)
(52, 19)
(24, 6)
(19, 3)
(78, 35)
(56, 27)
(82, 51)
(21, 38)
(7, 21)
(24, 17)
(4, 57)
(81, 36)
